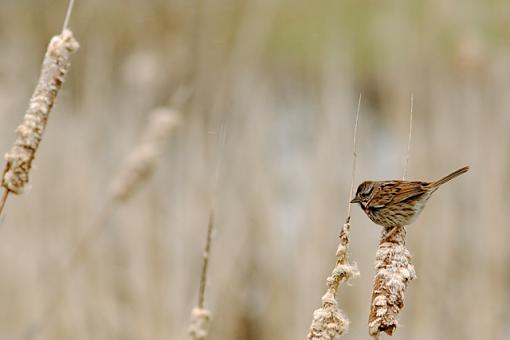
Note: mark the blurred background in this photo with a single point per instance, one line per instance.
(285, 76)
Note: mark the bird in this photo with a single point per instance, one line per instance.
(397, 203)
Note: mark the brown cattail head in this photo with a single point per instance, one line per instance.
(393, 273)
(142, 161)
(329, 322)
(29, 134)
(199, 327)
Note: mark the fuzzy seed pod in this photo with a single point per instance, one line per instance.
(393, 273)
(29, 134)
(199, 327)
(329, 322)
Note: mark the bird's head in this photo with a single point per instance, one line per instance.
(364, 193)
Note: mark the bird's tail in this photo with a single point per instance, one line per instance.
(449, 177)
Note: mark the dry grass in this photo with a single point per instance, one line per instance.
(56, 63)
(285, 75)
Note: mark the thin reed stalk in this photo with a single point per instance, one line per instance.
(3, 199)
(329, 322)
(200, 316)
(408, 153)
(205, 263)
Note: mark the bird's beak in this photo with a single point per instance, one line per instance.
(356, 200)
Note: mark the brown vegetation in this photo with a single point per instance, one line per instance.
(285, 75)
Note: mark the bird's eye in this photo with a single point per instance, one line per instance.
(367, 192)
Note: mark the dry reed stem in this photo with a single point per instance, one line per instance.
(201, 317)
(29, 134)
(205, 261)
(408, 153)
(393, 273)
(3, 199)
(70, 7)
(143, 160)
(329, 322)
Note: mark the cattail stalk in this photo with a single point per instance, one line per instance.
(56, 63)
(3, 199)
(393, 273)
(393, 269)
(200, 316)
(329, 322)
(143, 159)
(205, 262)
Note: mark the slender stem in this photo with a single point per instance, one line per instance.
(410, 137)
(3, 199)
(207, 249)
(355, 156)
(205, 263)
(68, 15)
(221, 147)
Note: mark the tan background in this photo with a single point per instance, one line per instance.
(285, 76)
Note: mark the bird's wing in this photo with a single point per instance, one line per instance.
(408, 190)
(392, 192)
(382, 196)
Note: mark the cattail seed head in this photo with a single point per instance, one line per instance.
(393, 273)
(199, 327)
(329, 322)
(29, 134)
(143, 159)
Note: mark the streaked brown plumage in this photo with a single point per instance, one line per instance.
(397, 203)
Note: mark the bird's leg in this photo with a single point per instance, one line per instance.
(391, 232)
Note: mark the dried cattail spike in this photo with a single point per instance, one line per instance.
(199, 327)
(142, 161)
(393, 272)
(329, 322)
(29, 134)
